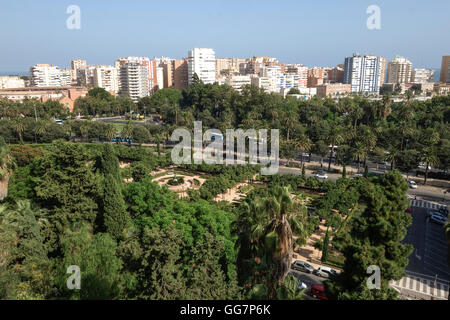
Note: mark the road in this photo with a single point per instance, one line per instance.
(428, 193)
(430, 246)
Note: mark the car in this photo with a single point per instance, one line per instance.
(302, 266)
(409, 211)
(412, 184)
(325, 272)
(318, 291)
(321, 175)
(424, 166)
(432, 212)
(301, 285)
(444, 211)
(437, 218)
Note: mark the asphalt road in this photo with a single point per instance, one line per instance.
(430, 246)
(428, 193)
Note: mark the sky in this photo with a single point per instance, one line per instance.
(313, 32)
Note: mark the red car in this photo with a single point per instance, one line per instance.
(318, 291)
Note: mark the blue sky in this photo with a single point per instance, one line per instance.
(313, 32)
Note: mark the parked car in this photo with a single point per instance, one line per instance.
(439, 219)
(325, 272)
(444, 211)
(301, 285)
(321, 175)
(302, 266)
(412, 184)
(318, 291)
(432, 212)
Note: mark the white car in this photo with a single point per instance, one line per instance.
(424, 166)
(325, 272)
(301, 285)
(321, 175)
(412, 184)
(439, 219)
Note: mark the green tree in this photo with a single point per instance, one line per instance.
(6, 167)
(374, 239)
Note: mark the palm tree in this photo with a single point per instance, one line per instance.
(429, 158)
(335, 137)
(6, 167)
(392, 156)
(39, 129)
(110, 132)
(360, 152)
(84, 129)
(19, 127)
(304, 144)
(279, 219)
(127, 131)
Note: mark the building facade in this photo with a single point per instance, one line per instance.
(399, 70)
(365, 73)
(137, 77)
(445, 69)
(8, 82)
(202, 61)
(44, 75)
(422, 75)
(106, 77)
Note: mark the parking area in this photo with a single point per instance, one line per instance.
(430, 246)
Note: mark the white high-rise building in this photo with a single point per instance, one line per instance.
(273, 73)
(44, 75)
(160, 77)
(365, 73)
(137, 77)
(301, 73)
(202, 61)
(422, 75)
(78, 64)
(106, 77)
(399, 70)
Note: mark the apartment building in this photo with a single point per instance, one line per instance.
(262, 82)
(238, 81)
(333, 90)
(202, 61)
(422, 75)
(137, 77)
(8, 82)
(365, 73)
(301, 71)
(445, 69)
(180, 74)
(106, 77)
(334, 75)
(399, 70)
(44, 75)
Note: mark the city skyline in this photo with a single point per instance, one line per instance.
(311, 34)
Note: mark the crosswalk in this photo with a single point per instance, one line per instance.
(421, 287)
(425, 204)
